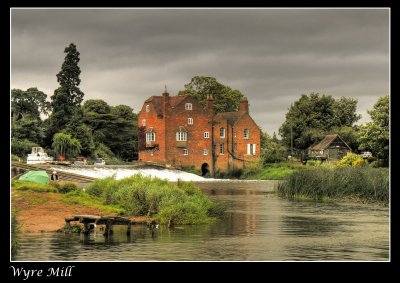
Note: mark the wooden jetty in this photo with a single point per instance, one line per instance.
(109, 221)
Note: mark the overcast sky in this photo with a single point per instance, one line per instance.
(271, 55)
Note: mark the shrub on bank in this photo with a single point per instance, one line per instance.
(23, 185)
(363, 183)
(170, 203)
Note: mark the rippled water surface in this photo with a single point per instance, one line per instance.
(258, 226)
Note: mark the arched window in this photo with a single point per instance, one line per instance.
(181, 137)
(147, 108)
(150, 138)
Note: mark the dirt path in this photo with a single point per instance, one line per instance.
(45, 212)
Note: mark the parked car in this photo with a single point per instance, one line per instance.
(366, 154)
(100, 161)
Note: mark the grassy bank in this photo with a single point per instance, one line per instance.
(169, 203)
(14, 234)
(364, 184)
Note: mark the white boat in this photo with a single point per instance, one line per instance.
(38, 156)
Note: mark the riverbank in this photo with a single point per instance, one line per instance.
(45, 212)
(341, 183)
(43, 207)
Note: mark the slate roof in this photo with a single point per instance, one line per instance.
(325, 143)
(157, 102)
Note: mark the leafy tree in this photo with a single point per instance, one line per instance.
(226, 99)
(120, 119)
(21, 147)
(31, 102)
(65, 145)
(124, 112)
(28, 128)
(98, 106)
(313, 116)
(374, 136)
(68, 97)
(271, 149)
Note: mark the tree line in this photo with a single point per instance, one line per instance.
(90, 129)
(72, 128)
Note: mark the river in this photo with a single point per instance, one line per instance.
(258, 226)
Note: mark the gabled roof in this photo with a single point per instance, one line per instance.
(327, 141)
(157, 102)
(231, 117)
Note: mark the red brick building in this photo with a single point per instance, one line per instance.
(178, 131)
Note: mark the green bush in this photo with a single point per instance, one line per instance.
(343, 182)
(66, 187)
(170, 203)
(34, 187)
(352, 159)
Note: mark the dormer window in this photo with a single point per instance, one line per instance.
(188, 106)
(147, 108)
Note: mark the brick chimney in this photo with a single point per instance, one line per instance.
(165, 101)
(244, 105)
(210, 104)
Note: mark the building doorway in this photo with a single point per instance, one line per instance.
(205, 169)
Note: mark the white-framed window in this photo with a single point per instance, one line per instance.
(188, 106)
(222, 132)
(251, 149)
(246, 134)
(150, 136)
(181, 136)
(190, 121)
(221, 148)
(147, 108)
(206, 135)
(144, 122)
(205, 152)
(185, 151)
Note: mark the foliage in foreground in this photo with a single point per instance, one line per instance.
(169, 203)
(14, 234)
(362, 183)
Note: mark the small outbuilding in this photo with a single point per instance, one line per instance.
(331, 148)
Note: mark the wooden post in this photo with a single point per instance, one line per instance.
(128, 231)
(86, 229)
(109, 228)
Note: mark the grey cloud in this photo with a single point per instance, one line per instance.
(272, 56)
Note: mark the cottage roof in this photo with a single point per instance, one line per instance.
(231, 117)
(327, 141)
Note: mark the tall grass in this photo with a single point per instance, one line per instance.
(362, 183)
(14, 234)
(170, 203)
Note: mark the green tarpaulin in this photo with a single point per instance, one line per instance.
(40, 177)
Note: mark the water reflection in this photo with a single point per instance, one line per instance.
(258, 225)
(310, 226)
